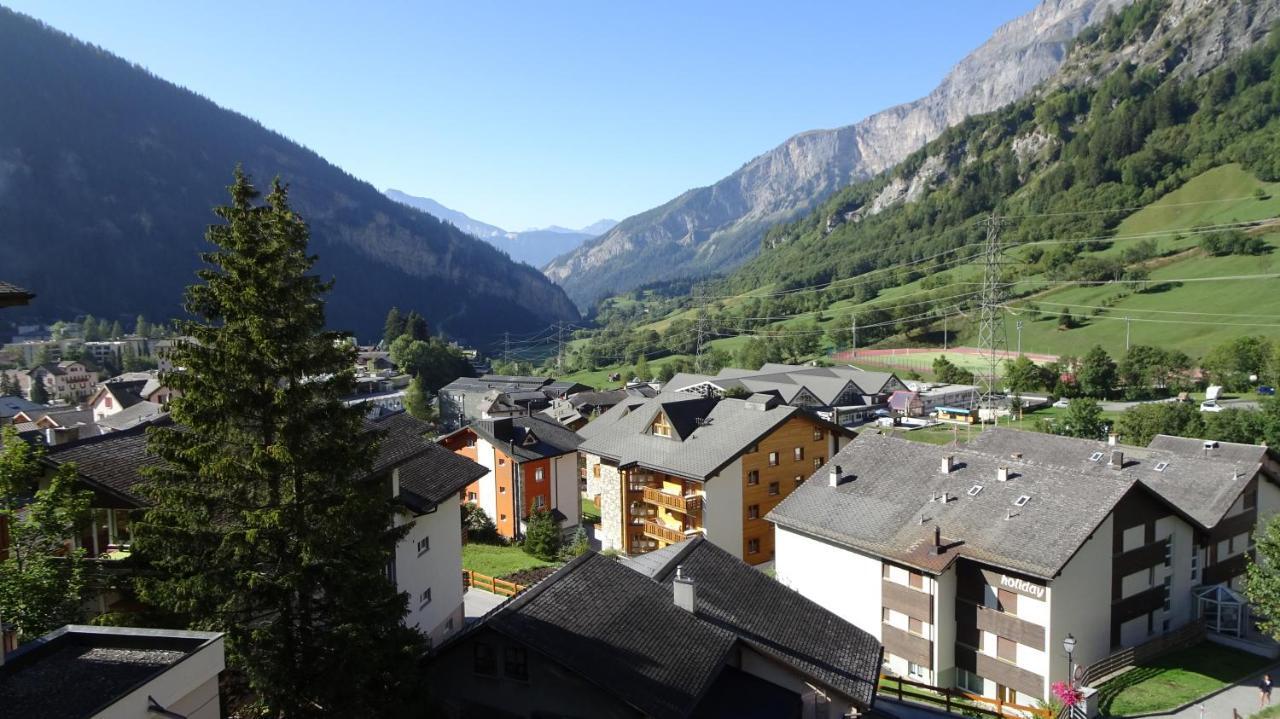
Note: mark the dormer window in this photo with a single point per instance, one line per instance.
(661, 425)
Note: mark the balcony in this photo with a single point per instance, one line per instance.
(657, 530)
(685, 505)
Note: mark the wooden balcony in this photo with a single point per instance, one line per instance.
(660, 531)
(685, 505)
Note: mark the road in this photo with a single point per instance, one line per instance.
(1229, 403)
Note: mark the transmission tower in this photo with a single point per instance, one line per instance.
(701, 317)
(993, 339)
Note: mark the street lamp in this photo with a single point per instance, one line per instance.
(1069, 644)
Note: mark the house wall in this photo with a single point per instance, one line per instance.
(612, 512)
(770, 670)
(1080, 604)
(723, 509)
(565, 496)
(532, 488)
(789, 473)
(189, 687)
(840, 580)
(549, 690)
(438, 568)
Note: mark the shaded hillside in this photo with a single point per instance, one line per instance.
(108, 175)
(715, 228)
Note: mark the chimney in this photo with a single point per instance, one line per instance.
(1117, 459)
(1111, 439)
(948, 463)
(937, 541)
(834, 475)
(683, 591)
(1002, 474)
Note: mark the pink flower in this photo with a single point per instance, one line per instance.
(1067, 694)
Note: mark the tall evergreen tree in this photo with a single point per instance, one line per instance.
(116, 331)
(415, 325)
(393, 328)
(263, 523)
(38, 394)
(141, 327)
(89, 329)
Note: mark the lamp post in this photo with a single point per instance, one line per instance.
(1069, 644)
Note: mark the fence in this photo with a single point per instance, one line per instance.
(955, 700)
(497, 586)
(1094, 674)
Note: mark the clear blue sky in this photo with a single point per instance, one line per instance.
(527, 114)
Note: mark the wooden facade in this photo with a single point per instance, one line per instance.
(765, 483)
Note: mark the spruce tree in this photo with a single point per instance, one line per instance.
(141, 328)
(89, 329)
(393, 328)
(38, 393)
(415, 325)
(263, 523)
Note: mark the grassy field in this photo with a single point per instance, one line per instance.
(945, 433)
(497, 560)
(590, 512)
(1176, 679)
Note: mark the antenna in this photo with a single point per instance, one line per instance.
(992, 335)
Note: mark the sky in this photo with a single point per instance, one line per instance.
(527, 114)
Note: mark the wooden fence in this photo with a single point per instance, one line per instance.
(955, 700)
(1094, 674)
(497, 586)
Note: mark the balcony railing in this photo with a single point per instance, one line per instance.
(685, 505)
(663, 532)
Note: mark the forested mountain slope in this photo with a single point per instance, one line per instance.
(107, 179)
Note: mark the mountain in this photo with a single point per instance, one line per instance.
(533, 247)
(108, 175)
(712, 229)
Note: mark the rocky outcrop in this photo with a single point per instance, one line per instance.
(717, 227)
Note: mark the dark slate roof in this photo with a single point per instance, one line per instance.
(126, 392)
(403, 438)
(890, 483)
(1244, 454)
(549, 438)
(13, 295)
(111, 461)
(135, 414)
(812, 640)
(1201, 488)
(606, 398)
(435, 475)
(11, 405)
(621, 631)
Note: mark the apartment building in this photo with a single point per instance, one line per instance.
(680, 465)
(531, 464)
(68, 380)
(988, 555)
(844, 395)
(491, 396)
(687, 631)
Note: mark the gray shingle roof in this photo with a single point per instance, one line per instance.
(710, 433)
(550, 438)
(135, 414)
(113, 461)
(894, 482)
(435, 475)
(616, 624)
(1244, 454)
(11, 295)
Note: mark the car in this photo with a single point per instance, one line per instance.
(1267, 390)
(1062, 403)
(1211, 406)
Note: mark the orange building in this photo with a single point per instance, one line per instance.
(532, 463)
(682, 465)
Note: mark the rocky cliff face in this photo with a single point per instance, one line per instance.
(717, 227)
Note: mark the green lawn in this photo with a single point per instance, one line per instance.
(498, 561)
(590, 512)
(1176, 679)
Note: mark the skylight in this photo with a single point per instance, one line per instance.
(1022, 501)
(1095, 456)
(1160, 466)
(973, 491)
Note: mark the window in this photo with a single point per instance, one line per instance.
(1095, 456)
(915, 626)
(817, 462)
(595, 471)
(969, 681)
(485, 663)
(773, 459)
(515, 664)
(539, 502)
(425, 598)
(973, 491)
(916, 579)
(818, 435)
(753, 477)
(502, 462)
(1168, 551)
(774, 489)
(753, 511)
(537, 474)
(502, 517)
(1007, 649)
(502, 489)
(753, 546)
(1022, 501)
(798, 454)
(1168, 593)
(914, 669)
(661, 425)
(471, 496)
(424, 546)
(1006, 601)
(1195, 564)
(799, 480)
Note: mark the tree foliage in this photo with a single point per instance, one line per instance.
(263, 523)
(542, 536)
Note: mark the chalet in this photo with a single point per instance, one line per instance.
(844, 395)
(679, 465)
(687, 631)
(988, 555)
(532, 464)
(69, 380)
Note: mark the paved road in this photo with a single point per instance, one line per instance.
(1231, 403)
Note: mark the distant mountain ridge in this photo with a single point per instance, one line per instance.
(534, 247)
(715, 228)
(108, 176)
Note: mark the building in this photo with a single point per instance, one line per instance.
(989, 554)
(593, 403)
(564, 413)
(491, 396)
(53, 426)
(113, 352)
(688, 631)
(532, 464)
(679, 465)
(933, 395)
(422, 477)
(13, 296)
(844, 395)
(68, 380)
(84, 672)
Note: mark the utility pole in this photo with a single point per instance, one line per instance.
(1018, 325)
(992, 335)
(853, 328)
(1126, 335)
(944, 331)
(559, 347)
